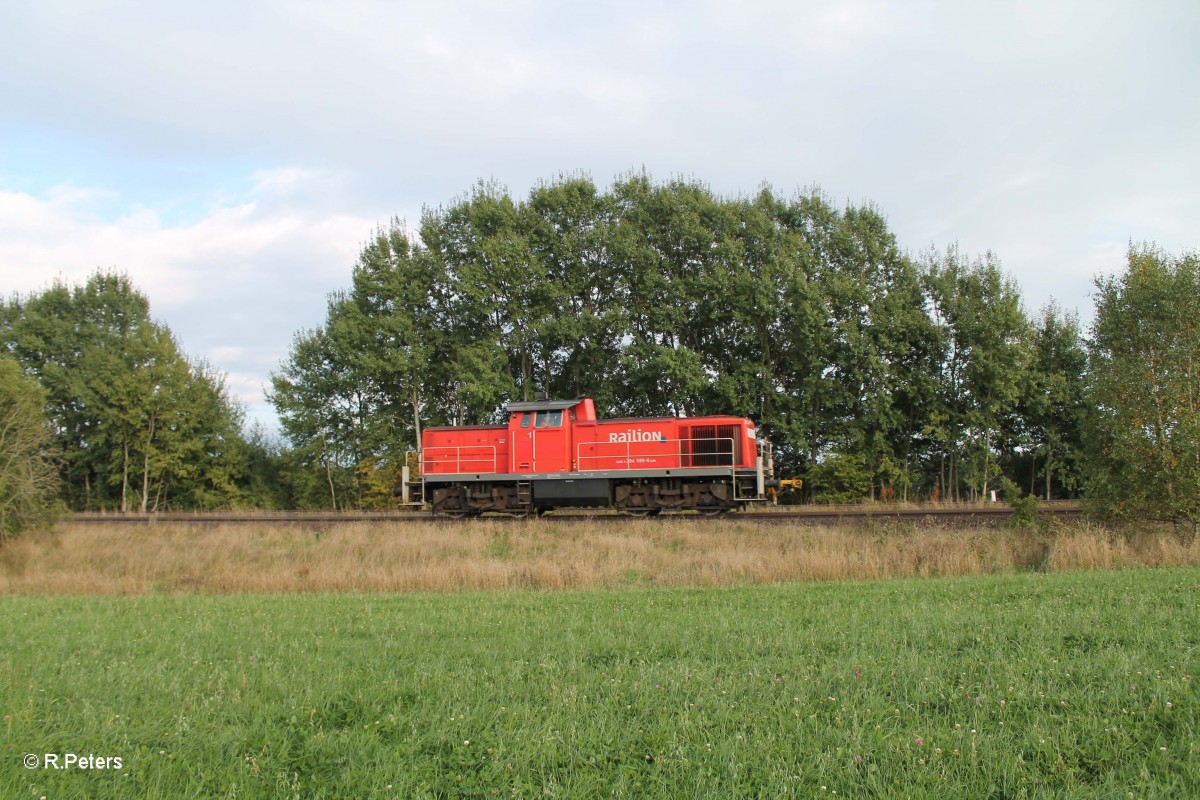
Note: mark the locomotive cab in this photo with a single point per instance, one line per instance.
(541, 434)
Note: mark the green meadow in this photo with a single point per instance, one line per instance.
(1033, 685)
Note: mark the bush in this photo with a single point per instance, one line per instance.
(28, 474)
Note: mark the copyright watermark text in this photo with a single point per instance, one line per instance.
(71, 761)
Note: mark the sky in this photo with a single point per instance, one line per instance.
(232, 158)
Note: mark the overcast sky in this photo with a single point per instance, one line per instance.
(232, 157)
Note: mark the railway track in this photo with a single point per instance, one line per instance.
(970, 515)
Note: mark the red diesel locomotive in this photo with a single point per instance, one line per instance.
(555, 453)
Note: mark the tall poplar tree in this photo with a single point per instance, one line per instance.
(1145, 364)
(570, 229)
(983, 335)
(1052, 413)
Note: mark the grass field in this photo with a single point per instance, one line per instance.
(1029, 685)
(547, 554)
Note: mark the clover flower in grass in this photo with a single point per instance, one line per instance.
(919, 741)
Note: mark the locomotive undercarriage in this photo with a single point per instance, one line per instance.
(463, 499)
(637, 497)
(653, 496)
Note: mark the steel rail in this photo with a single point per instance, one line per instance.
(988, 515)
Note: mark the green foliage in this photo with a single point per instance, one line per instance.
(357, 389)
(652, 299)
(138, 425)
(1025, 507)
(984, 354)
(1059, 685)
(28, 472)
(663, 298)
(262, 484)
(840, 478)
(1053, 410)
(1145, 364)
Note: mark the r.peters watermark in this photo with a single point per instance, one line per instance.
(72, 761)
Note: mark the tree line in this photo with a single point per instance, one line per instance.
(134, 424)
(877, 375)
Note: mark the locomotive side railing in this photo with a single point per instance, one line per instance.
(715, 457)
(459, 459)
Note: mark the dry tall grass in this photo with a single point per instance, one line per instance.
(542, 554)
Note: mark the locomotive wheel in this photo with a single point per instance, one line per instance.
(713, 512)
(642, 512)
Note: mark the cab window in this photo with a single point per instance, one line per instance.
(549, 419)
(525, 420)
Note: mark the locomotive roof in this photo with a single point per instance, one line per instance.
(542, 405)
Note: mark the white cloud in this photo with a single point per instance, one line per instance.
(848, 32)
(234, 285)
(1051, 134)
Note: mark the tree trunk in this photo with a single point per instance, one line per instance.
(1048, 457)
(526, 373)
(146, 465)
(952, 488)
(329, 476)
(416, 404)
(987, 460)
(942, 478)
(145, 480)
(124, 477)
